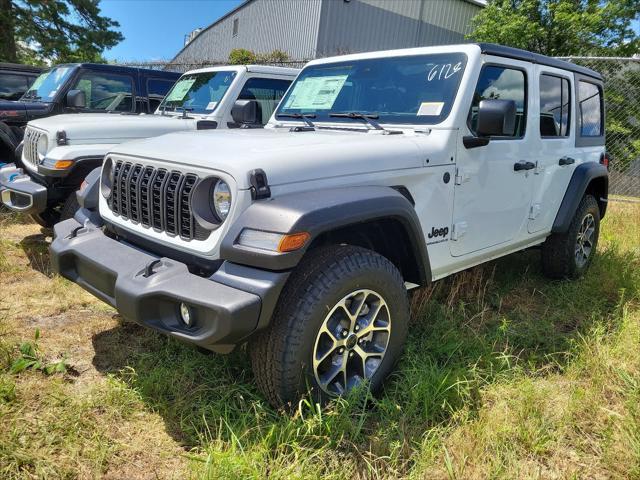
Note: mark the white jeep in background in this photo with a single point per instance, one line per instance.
(378, 172)
(60, 151)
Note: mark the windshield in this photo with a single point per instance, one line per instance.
(48, 83)
(418, 89)
(198, 92)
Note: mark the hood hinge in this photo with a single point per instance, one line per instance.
(259, 184)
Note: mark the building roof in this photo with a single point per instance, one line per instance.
(479, 3)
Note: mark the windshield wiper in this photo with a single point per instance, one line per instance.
(31, 97)
(369, 118)
(300, 116)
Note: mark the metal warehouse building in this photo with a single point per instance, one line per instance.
(307, 29)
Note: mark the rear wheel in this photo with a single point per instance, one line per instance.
(568, 255)
(341, 321)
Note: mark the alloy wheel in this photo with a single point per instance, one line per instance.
(584, 240)
(351, 342)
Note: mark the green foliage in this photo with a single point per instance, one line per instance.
(30, 358)
(561, 27)
(241, 56)
(33, 31)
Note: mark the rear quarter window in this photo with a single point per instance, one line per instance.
(590, 110)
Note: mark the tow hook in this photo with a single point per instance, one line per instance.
(148, 269)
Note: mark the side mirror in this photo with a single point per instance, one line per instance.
(245, 112)
(76, 99)
(496, 118)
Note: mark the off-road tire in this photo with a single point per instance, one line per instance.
(281, 355)
(47, 218)
(558, 251)
(70, 207)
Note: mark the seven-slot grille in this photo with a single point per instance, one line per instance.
(157, 198)
(30, 148)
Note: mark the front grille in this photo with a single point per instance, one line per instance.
(156, 198)
(30, 148)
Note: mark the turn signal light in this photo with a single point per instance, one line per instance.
(294, 241)
(62, 164)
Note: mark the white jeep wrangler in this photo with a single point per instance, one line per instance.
(377, 173)
(60, 151)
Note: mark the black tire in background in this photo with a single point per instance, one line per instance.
(282, 355)
(568, 255)
(70, 207)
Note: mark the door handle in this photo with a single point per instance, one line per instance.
(566, 161)
(522, 165)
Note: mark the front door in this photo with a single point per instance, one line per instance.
(492, 196)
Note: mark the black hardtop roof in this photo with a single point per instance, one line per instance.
(20, 67)
(524, 55)
(122, 69)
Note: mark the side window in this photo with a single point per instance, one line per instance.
(12, 86)
(590, 108)
(505, 84)
(267, 91)
(555, 105)
(106, 92)
(157, 89)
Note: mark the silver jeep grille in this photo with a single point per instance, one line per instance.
(157, 198)
(30, 148)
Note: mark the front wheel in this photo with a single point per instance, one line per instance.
(341, 321)
(569, 254)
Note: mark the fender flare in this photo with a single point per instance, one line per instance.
(582, 177)
(322, 211)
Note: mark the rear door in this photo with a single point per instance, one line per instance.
(553, 144)
(492, 199)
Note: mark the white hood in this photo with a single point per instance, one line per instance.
(285, 156)
(85, 128)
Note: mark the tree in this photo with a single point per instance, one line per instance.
(561, 27)
(33, 31)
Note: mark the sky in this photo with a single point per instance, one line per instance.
(155, 29)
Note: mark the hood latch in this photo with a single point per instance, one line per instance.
(259, 184)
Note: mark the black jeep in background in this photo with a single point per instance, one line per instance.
(84, 87)
(16, 79)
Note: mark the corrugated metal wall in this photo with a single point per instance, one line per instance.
(307, 29)
(263, 26)
(366, 25)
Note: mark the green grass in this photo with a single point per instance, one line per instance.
(505, 375)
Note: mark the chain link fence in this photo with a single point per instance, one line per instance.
(622, 103)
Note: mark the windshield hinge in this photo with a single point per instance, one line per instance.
(259, 184)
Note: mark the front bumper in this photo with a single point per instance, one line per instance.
(20, 193)
(225, 308)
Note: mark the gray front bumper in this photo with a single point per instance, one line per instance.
(20, 193)
(226, 307)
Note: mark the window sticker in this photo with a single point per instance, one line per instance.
(211, 105)
(317, 93)
(180, 90)
(430, 108)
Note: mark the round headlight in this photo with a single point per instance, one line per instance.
(222, 199)
(42, 146)
(106, 178)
